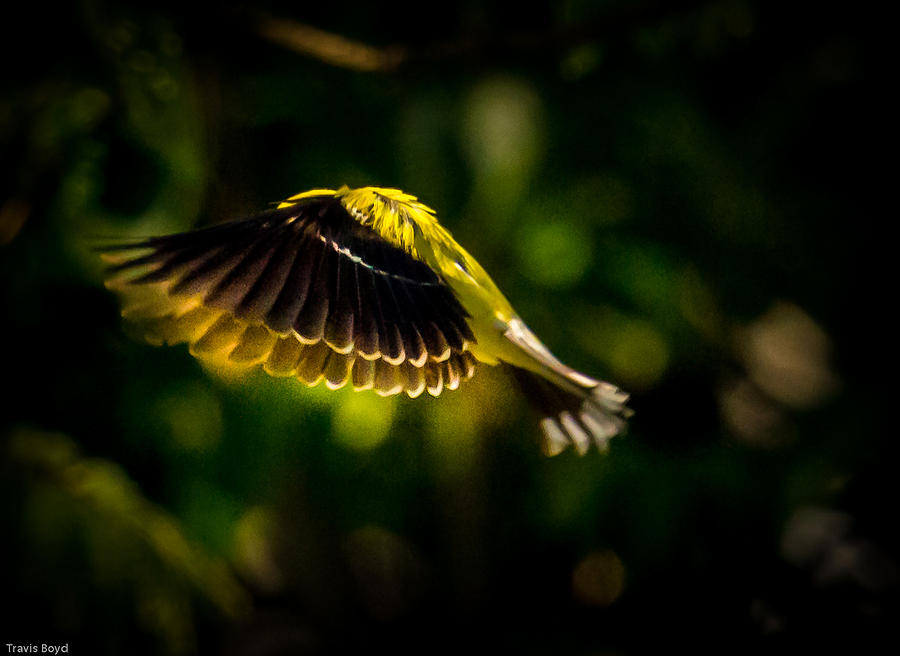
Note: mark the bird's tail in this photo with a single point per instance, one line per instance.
(575, 409)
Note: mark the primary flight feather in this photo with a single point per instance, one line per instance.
(359, 286)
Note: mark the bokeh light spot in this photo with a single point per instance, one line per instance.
(580, 61)
(639, 354)
(253, 550)
(555, 253)
(789, 356)
(502, 138)
(193, 416)
(599, 579)
(501, 125)
(363, 420)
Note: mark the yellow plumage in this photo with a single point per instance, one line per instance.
(359, 286)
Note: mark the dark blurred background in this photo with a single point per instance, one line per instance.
(682, 197)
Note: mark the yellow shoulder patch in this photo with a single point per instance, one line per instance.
(396, 216)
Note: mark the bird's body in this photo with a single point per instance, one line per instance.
(359, 286)
(404, 222)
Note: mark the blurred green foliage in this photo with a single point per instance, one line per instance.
(675, 196)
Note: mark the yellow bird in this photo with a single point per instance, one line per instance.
(359, 286)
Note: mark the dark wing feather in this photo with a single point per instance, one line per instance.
(231, 289)
(291, 296)
(308, 273)
(371, 323)
(262, 295)
(341, 319)
(392, 316)
(309, 323)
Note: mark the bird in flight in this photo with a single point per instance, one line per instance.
(352, 286)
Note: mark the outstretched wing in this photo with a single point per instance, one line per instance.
(304, 291)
